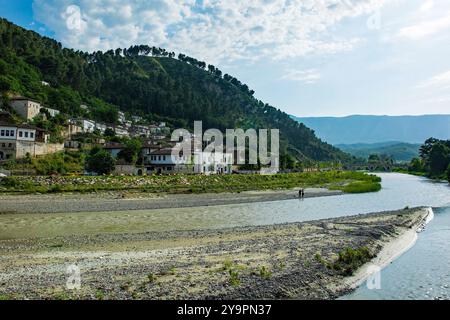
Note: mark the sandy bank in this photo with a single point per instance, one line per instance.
(391, 250)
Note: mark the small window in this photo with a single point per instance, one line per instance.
(26, 134)
(12, 133)
(7, 133)
(2, 133)
(20, 134)
(164, 158)
(31, 135)
(3, 145)
(159, 158)
(10, 145)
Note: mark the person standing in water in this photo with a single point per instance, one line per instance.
(301, 193)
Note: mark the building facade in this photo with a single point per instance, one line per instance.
(20, 141)
(26, 108)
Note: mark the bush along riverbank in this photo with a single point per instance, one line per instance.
(350, 182)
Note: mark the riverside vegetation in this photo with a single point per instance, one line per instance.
(350, 182)
(433, 162)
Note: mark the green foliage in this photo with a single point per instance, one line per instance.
(151, 278)
(439, 158)
(131, 151)
(59, 163)
(416, 165)
(100, 162)
(362, 187)
(187, 183)
(448, 173)
(434, 159)
(234, 278)
(149, 81)
(351, 259)
(264, 272)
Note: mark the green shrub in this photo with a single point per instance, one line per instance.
(351, 259)
(362, 187)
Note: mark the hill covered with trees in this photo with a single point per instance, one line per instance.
(146, 81)
(398, 151)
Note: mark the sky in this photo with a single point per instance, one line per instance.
(306, 57)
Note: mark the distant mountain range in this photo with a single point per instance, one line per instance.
(376, 129)
(399, 151)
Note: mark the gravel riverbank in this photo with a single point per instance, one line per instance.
(123, 201)
(288, 261)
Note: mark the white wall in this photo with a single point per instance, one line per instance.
(12, 132)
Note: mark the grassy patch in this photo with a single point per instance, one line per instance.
(361, 187)
(351, 259)
(234, 278)
(337, 180)
(264, 272)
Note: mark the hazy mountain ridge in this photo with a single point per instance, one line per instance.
(375, 129)
(399, 151)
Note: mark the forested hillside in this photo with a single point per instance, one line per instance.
(145, 81)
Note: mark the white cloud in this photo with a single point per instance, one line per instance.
(309, 76)
(440, 81)
(427, 6)
(425, 28)
(213, 30)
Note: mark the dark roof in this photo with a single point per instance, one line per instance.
(161, 152)
(22, 126)
(24, 98)
(114, 145)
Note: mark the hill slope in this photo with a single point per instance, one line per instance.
(146, 81)
(399, 151)
(374, 129)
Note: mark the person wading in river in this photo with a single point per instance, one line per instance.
(301, 193)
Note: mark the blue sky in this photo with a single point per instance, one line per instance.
(306, 57)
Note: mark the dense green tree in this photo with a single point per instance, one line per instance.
(100, 162)
(416, 165)
(131, 151)
(439, 159)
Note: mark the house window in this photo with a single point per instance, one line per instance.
(159, 158)
(10, 145)
(20, 134)
(2, 133)
(3, 145)
(26, 134)
(31, 135)
(12, 133)
(169, 168)
(164, 158)
(7, 133)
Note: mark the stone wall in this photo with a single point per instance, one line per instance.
(36, 149)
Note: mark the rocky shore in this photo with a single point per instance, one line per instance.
(308, 260)
(122, 201)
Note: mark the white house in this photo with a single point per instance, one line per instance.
(87, 125)
(121, 117)
(163, 162)
(52, 112)
(18, 141)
